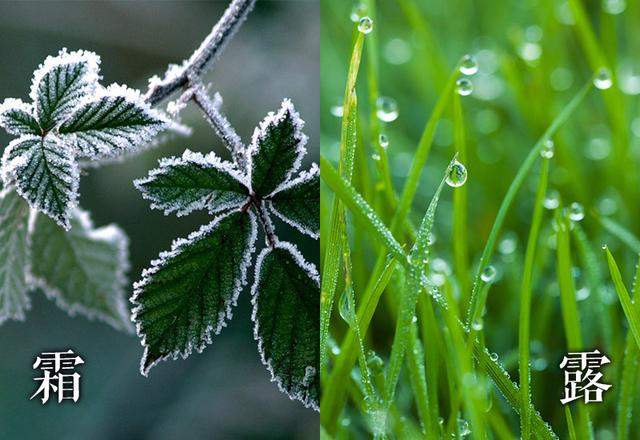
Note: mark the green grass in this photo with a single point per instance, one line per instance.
(433, 349)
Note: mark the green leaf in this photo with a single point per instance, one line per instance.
(114, 121)
(276, 149)
(14, 256)
(286, 301)
(60, 82)
(188, 292)
(193, 182)
(45, 174)
(82, 269)
(297, 202)
(630, 312)
(16, 117)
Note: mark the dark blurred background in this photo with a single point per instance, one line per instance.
(224, 393)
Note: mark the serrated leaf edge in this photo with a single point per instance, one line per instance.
(122, 241)
(273, 118)
(15, 104)
(313, 274)
(303, 177)
(209, 161)
(158, 263)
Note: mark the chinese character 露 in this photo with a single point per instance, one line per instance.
(582, 378)
(58, 375)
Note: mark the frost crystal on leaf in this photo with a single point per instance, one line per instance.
(285, 298)
(45, 174)
(189, 291)
(16, 117)
(60, 82)
(113, 121)
(14, 256)
(276, 149)
(193, 182)
(84, 269)
(297, 202)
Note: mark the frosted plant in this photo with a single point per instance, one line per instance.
(188, 292)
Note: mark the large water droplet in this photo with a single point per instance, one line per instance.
(464, 87)
(576, 212)
(456, 175)
(463, 428)
(469, 65)
(375, 362)
(488, 274)
(547, 149)
(346, 307)
(358, 12)
(494, 357)
(603, 79)
(336, 108)
(477, 324)
(383, 140)
(365, 25)
(386, 109)
(508, 244)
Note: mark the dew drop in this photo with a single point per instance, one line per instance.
(464, 87)
(547, 149)
(375, 156)
(383, 140)
(582, 293)
(358, 12)
(456, 175)
(375, 362)
(614, 7)
(576, 212)
(508, 244)
(337, 108)
(551, 199)
(488, 274)
(494, 357)
(365, 25)
(346, 307)
(469, 65)
(463, 428)
(477, 324)
(386, 109)
(603, 79)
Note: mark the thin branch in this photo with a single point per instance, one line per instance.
(178, 76)
(220, 124)
(265, 220)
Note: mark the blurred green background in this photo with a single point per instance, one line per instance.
(531, 63)
(224, 393)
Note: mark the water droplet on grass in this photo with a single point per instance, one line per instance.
(469, 65)
(365, 25)
(494, 357)
(603, 79)
(386, 109)
(488, 274)
(456, 175)
(576, 212)
(337, 108)
(551, 199)
(477, 324)
(375, 362)
(547, 149)
(346, 307)
(508, 244)
(383, 141)
(464, 87)
(530, 51)
(463, 428)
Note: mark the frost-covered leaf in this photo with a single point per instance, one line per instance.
(45, 174)
(83, 269)
(297, 202)
(277, 148)
(60, 82)
(114, 121)
(14, 255)
(188, 292)
(194, 182)
(286, 304)
(16, 117)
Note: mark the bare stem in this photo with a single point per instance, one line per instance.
(221, 125)
(265, 220)
(204, 56)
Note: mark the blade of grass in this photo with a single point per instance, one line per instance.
(631, 312)
(513, 190)
(347, 152)
(525, 302)
(629, 371)
(620, 232)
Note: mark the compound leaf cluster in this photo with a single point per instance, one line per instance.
(188, 293)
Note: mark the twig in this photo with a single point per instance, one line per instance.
(178, 76)
(265, 220)
(220, 124)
